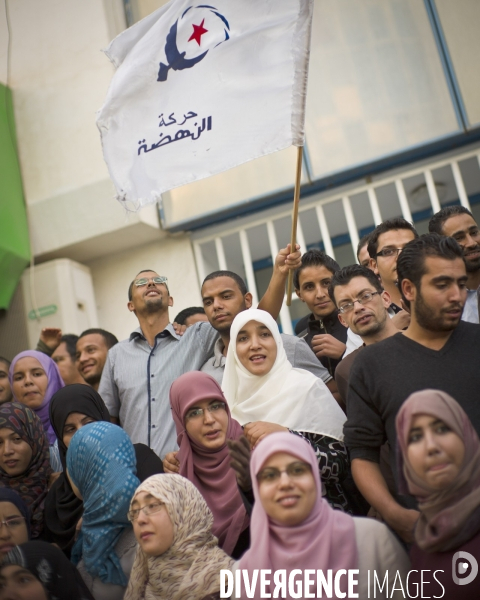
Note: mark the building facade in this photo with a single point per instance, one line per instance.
(392, 128)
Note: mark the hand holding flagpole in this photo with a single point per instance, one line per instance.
(296, 202)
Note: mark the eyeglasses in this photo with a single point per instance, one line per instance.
(197, 413)
(12, 523)
(294, 470)
(389, 252)
(148, 509)
(362, 299)
(144, 280)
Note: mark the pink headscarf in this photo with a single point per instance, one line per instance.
(55, 382)
(325, 540)
(209, 470)
(451, 516)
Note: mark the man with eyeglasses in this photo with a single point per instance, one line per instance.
(437, 351)
(139, 371)
(386, 242)
(363, 257)
(363, 306)
(458, 222)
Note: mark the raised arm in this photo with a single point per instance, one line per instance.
(284, 262)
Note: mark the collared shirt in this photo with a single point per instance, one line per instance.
(136, 381)
(471, 309)
(354, 341)
(298, 353)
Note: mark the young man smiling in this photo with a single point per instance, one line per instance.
(436, 351)
(92, 349)
(458, 222)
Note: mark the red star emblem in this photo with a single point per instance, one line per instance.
(198, 31)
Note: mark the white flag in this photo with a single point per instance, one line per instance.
(200, 89)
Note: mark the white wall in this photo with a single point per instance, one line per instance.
(59, 77)
(172, 257)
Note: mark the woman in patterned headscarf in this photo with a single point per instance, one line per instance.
(24, 459)
(44, 572)
(101, 466)
(178, 556)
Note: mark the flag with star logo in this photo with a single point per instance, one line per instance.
(201, 88)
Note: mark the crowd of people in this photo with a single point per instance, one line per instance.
(144, 468)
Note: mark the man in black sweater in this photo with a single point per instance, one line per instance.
(436, 351)
(321, 329)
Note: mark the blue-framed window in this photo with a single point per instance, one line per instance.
(390, 82)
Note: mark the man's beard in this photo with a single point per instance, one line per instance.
(154, 305)
(427, 318)
(222, 328)
(472, 266)
(93, 378)
(374, 327)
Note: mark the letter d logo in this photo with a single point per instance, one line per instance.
(463, 566)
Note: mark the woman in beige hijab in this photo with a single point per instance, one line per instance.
(178, 555)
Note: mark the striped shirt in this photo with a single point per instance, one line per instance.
(471, 309)
(136, 381)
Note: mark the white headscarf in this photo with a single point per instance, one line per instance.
(290, 397)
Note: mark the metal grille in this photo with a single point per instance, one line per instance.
(336, 221)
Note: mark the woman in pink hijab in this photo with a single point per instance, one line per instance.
(439, 464)
(293, 527)
(204, 425)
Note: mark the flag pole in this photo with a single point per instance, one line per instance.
(296, 202)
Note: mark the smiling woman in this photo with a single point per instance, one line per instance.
(266, 393)
(293, 527)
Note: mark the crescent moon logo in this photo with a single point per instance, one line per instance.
(211, 30)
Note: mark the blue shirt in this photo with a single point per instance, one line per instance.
(136, 381)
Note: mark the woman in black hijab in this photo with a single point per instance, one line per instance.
(71, 408)
(37, 570)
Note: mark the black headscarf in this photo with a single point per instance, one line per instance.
(8, 495)
(62, 508)
(56, 573)
(148, 463)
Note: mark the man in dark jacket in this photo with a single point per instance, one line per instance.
(321, 329)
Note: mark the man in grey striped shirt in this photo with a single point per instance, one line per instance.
(139, 371)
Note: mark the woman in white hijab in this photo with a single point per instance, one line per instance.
(263, 388)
